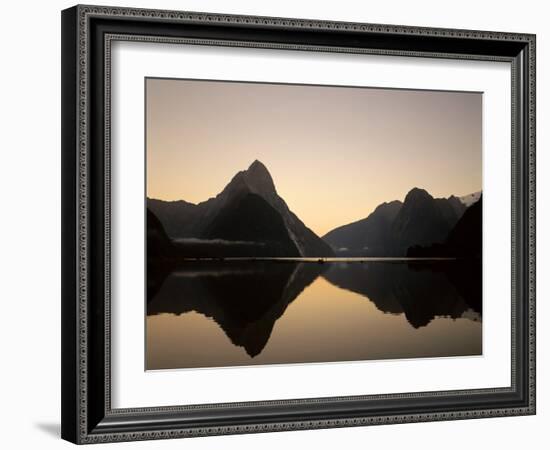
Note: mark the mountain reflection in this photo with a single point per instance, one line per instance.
(421, 291)
(245, 298)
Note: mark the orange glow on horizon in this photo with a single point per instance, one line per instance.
(334, 153)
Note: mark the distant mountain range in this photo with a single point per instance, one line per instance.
(249, 219)
(464, 240)
(370, 236)
(392, 228)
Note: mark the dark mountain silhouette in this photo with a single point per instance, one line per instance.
(160, 253)
(178, 217)
(464, 240)
(247, 211)
(158, 242)
(394, 227)
(251, 218)
(451, 208)
(244, 298)
(470, 199)
(420, 291)
(366, 237)
(422, 220)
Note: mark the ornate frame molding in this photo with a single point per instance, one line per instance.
(80, 418)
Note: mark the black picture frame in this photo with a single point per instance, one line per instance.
(87, 415)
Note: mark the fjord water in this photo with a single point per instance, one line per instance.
(243, 312)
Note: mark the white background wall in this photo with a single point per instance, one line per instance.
(30, 224)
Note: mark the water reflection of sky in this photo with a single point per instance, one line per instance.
(340, 312)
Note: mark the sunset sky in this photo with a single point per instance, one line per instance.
(335, 153)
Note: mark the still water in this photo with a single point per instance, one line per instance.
(234, 313)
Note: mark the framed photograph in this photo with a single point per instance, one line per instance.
(277, 224)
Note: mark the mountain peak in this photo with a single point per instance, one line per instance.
(417, 194)
(386, 205)
(470, 199)
(257, 165)
(258, 179)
